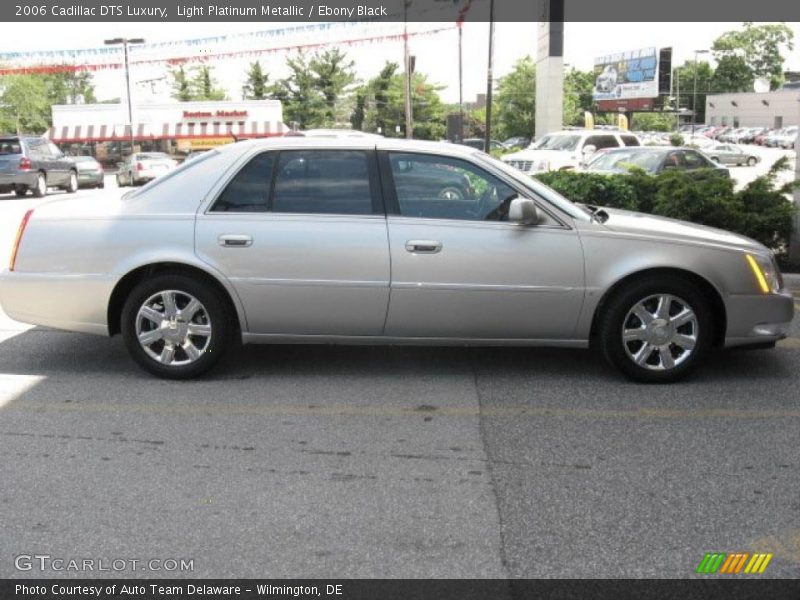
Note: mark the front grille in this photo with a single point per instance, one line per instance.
(522, 165)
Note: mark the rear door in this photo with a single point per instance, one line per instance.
(301, 235)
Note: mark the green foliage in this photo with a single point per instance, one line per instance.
(676, 139)
(25, 100)
(197, 83)
(759, 49)
(255, 86)
(691, 77)
(515, 101)
(653, 121)
(760, 210)
(578, 86)
(380, 105)
(733, 75)
(317, 91)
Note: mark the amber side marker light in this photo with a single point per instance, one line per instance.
(18, 239)
(762, 281)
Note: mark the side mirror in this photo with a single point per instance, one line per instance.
(523, 211)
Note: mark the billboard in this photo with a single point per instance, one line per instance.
(626, 76)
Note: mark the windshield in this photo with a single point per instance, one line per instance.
(152, 156)
(537, 187)
(621, 161)
(82, 159)
(557, 142)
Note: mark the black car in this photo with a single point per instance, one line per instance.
(517, 142)
(34, 163)
(652, 160)
(477, 143)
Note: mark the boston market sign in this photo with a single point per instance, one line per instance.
(220, 114)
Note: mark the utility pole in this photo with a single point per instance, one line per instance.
(489, 81)
(125, 42)
(407, 62)
(694, 89)
(794, 240)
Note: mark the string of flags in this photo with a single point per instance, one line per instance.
(92, 59)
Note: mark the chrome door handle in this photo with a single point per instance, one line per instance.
(423, 246)
(235, 241)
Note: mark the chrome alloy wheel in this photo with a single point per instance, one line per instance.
(173, 328)
(660, 332)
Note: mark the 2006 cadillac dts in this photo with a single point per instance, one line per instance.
(351, 241)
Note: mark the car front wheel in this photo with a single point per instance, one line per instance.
(656, 331)
(751, 162)
(176, 327)
(72, 183)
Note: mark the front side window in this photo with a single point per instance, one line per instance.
(248, 191)
(323, 181)
(695, 161)
(439, 187)
(601, 141)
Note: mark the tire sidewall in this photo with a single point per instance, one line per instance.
(616, 311)
(222, 327)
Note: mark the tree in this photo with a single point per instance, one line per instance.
(301, 100)
(515, 101)
(205, 86)
(333, 75)
(25, 105)
(70, 87)
(181, 85)
(733, 74)
(654, 121)
(255, 87)
(380, 105)
(578, 87)
(705, 85)
(759, 47)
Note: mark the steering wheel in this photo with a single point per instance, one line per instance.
(485, 203)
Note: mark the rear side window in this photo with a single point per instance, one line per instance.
(630, 140)
(248, 191)
(601, 141)
(10, 146)
(322, 181)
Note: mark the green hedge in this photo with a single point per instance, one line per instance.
(760, 210)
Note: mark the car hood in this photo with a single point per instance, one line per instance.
(623, 221)
(530, 154)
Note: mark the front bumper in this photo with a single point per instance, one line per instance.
(758, 318)
(71, 302)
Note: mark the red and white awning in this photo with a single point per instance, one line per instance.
(166, 131)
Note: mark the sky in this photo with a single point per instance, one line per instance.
(436, 55)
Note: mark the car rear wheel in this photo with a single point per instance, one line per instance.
(176, 327)
(72, 184)
(119, 181)
(40, 187)
(656, 330)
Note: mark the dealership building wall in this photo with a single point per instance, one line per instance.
(770, 109)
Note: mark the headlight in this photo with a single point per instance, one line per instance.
(542, 165)
(766, 273)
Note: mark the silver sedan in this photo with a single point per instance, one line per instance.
(731, 154)
(353, 241)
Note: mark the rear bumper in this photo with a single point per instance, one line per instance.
(758, 319)
(9, 180)
(70, 302)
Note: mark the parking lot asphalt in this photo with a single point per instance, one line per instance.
(317, 461)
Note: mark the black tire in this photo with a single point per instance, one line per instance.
(101, 185)
(216, 309)
(119, 181)
(617, 314)
(751, 162)
(21, 191)
(39, 189)
(72, 186)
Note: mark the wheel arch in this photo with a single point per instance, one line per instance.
(131, 279)
(717, 304)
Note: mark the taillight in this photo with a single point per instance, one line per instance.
(139, 167)
(17, 241)
(25, 164)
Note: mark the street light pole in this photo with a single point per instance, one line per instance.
(487, 140)
(125, 42)
(694, 89)
(407, 62)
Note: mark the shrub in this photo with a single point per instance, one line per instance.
(760, 210)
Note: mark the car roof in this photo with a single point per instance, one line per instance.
(358, 143)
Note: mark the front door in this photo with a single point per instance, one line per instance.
(461, 270)
(301, 235)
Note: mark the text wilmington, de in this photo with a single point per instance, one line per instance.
(266, 10)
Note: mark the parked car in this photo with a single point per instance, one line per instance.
(142, 167)
(652, 160)
(478, 144)
(567, 149)
(731, 154)
(517, 142)
(306, 240)
(761, 137)
(32, 163)
(90, 172)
